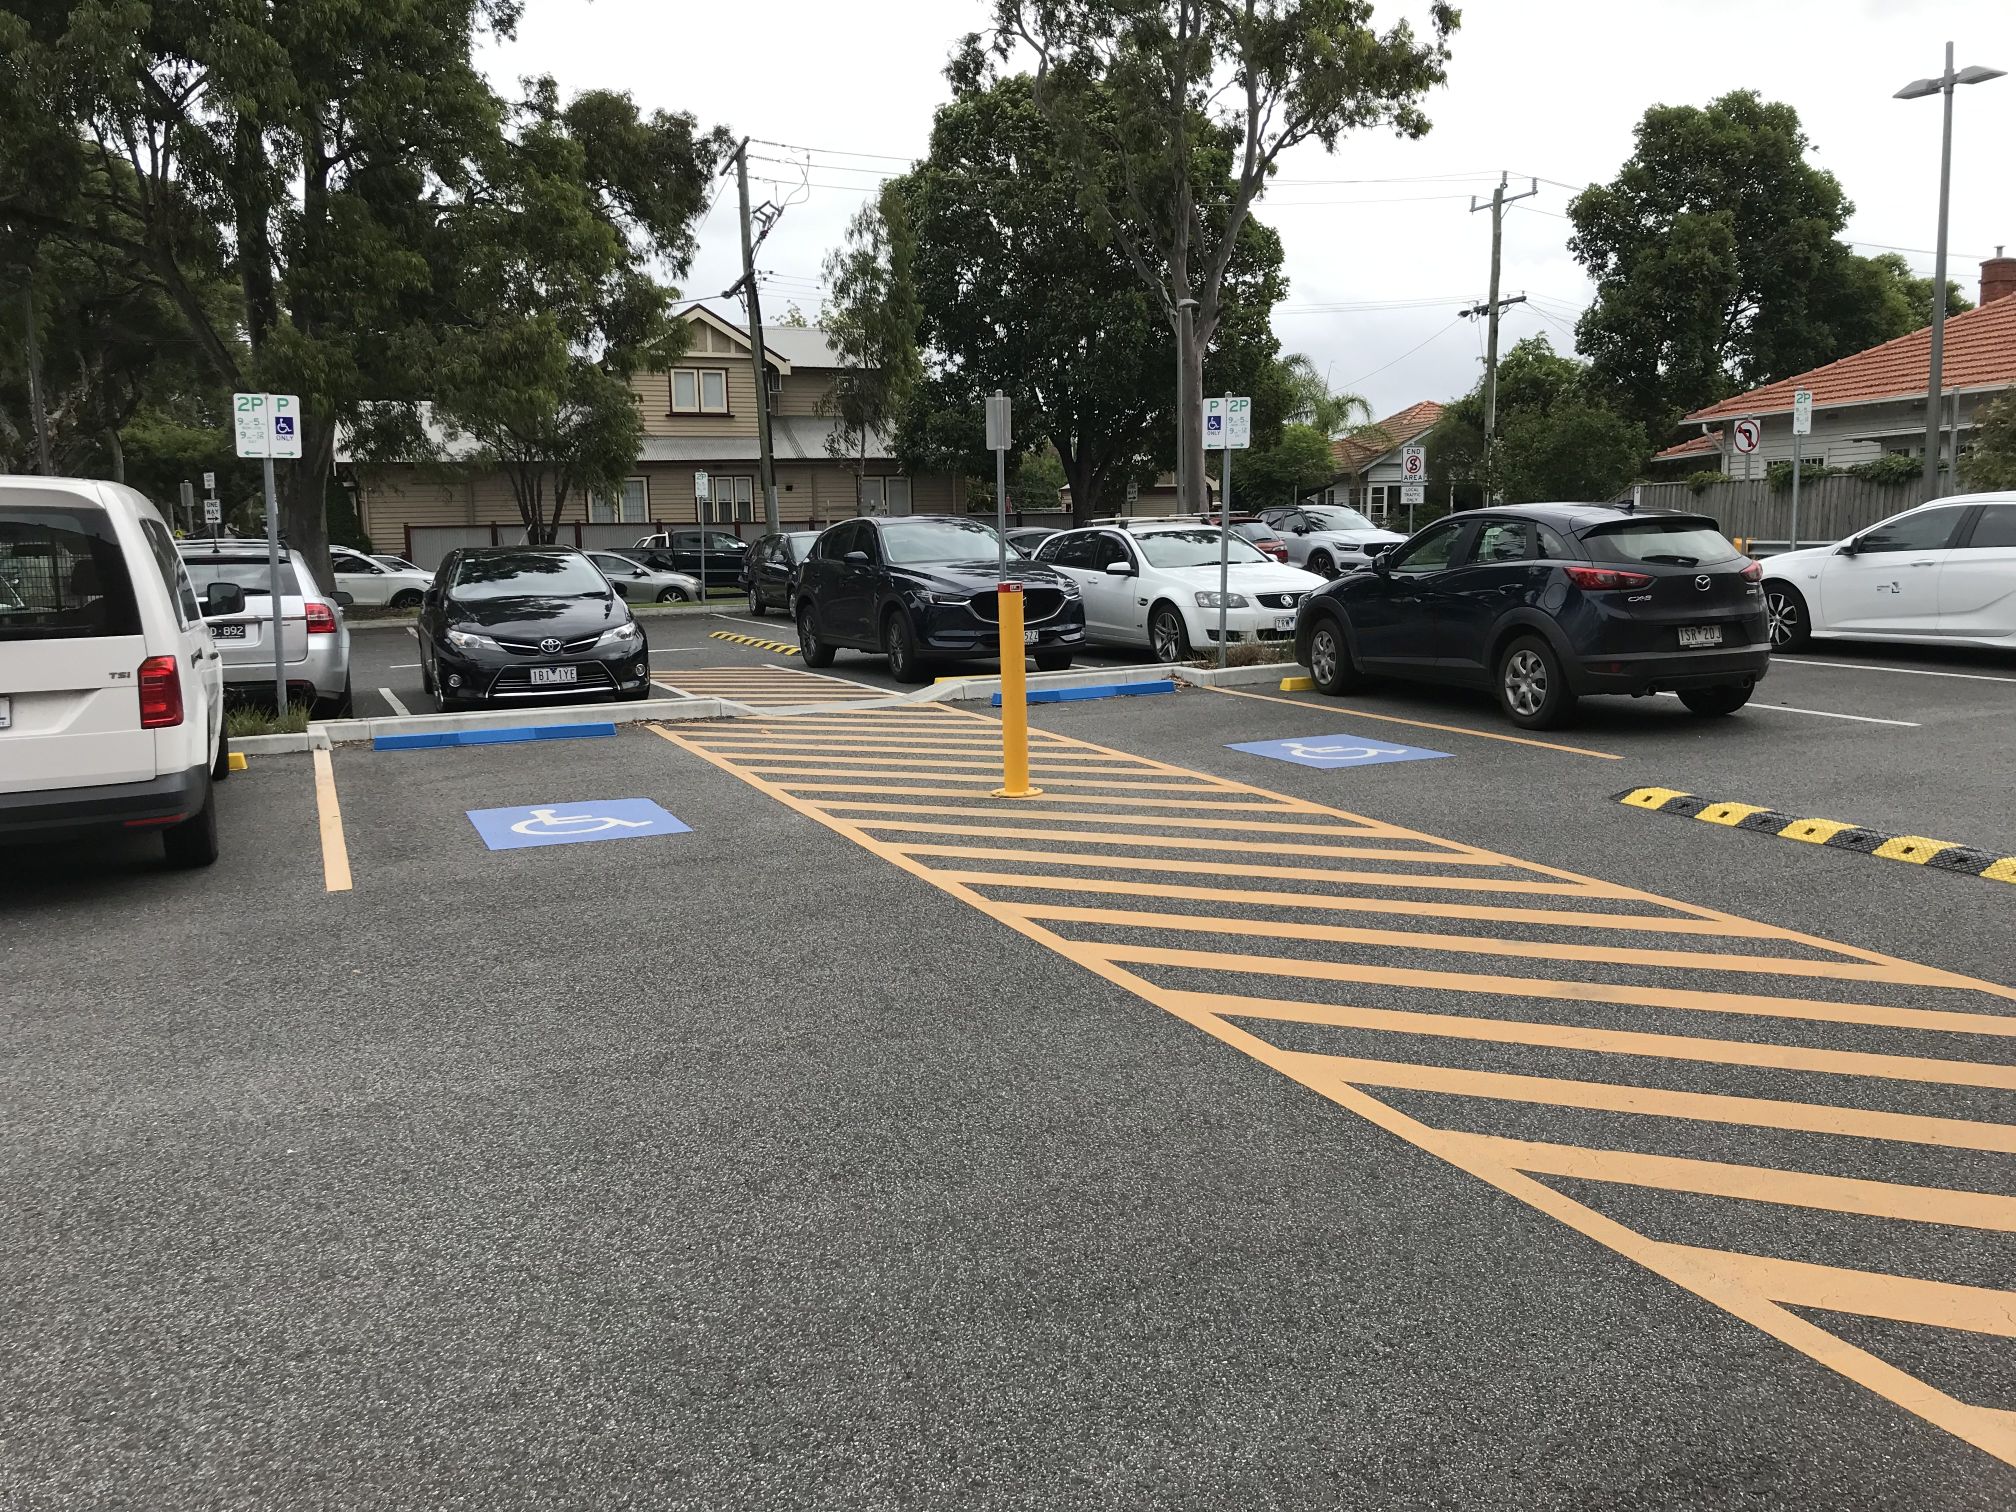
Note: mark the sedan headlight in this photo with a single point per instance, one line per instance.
(469, 640)
(1210, 601)
(625, 634)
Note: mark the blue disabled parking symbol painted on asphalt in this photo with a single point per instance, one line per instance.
(568, 823)
(1338, 751)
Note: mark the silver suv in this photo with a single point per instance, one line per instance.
(316, 641)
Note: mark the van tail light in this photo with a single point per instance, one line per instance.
(1606, 577)
(1754, 573)
(321, 619)
(160, 693)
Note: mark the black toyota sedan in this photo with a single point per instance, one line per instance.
(1543, 603)
(502, 624)
(919, 588)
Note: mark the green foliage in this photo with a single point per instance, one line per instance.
(1154, 100)
(873, 320)
(1017, 293)
(1299, 462)
(1992, 462)
(1040, 480)
(1701, 482)
(1716, 263)
(1311, 400)
(1557, 439)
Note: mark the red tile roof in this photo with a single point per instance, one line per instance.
(1354, 452)
(1693, 446)
(1980, 354)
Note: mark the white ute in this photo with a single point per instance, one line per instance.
(111, 690)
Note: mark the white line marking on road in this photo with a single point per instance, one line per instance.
(405, 666)
(1902, 724)
(393, 699)
(1792, 661)
(767, 624)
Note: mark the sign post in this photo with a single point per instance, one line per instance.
(999, 416)
(1802, 425)
(703, 513)
(269, 426)
(1413, 480)
(1228, 426)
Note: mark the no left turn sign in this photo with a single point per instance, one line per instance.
(1745, 433)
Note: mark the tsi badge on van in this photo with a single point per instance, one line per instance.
(111, 689)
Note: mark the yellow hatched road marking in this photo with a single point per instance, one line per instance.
(1187, 803)
(1103, 783)
(920, 837)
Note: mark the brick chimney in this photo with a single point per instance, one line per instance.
(1998, 277)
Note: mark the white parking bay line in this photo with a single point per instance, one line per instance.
(780, 623)
(393, 699)
(1800, 661)
(1902, 724)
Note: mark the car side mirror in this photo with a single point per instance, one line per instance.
(1383, 563)
(1120, 569)
(223, 598)
(860, 558)
(1851, 547)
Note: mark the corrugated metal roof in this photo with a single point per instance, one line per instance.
(1980, 354)
(794, 438)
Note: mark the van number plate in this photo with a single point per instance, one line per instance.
(1700, 635)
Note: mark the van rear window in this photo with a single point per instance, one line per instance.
(62, 575)
(1679, 542)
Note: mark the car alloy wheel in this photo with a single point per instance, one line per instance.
(755, 604)
(1321, 564)
(902, 643)
(1785, 613)
(672, 596)
(1323, 656)
(1525, 682)
(1166, 637)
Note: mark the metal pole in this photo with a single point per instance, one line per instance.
(1796, 449)
(1935, 374)
(273, 582)
(767, 481)
(1001, 512)
(1224, 530)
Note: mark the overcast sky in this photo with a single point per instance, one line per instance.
(1381, 249)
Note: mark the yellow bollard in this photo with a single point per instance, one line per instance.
(1014, 697)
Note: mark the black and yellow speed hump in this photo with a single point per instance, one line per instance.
(1918, 850)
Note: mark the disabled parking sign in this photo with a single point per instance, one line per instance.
(1338, 751)
(571, 823)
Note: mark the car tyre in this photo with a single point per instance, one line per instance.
(1712, 702)
(1322, 564)
(1786, 617)
(899, 639)
(812, 651)
(1168, 636)
(193, 842)
(673, 596)
(1330, 665)
(756, 609)
(406, 598)
(221, 767)
(338, 707)
(426, 676)
(1053, 661)
(1532, 688)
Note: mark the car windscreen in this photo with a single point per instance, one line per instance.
(801, 541)
(1677, 542)
(527, 574)
(1192, 548)
(1255, 530)
(912, 542)
(249, 573)
(1336, 517)
(62, 576)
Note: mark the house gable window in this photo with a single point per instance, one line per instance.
(699, 391)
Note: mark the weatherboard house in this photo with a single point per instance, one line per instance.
(1872, 403)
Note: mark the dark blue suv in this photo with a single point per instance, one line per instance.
(1543, 603)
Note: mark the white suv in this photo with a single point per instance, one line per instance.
(111, 690)
(1156, 585)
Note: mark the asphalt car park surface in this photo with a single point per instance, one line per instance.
(782, 1163)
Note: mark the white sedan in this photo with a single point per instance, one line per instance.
(1157, 586)
(636, 582)
(1941, 574)
(369, 581)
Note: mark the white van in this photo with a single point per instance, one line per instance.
(111, 690)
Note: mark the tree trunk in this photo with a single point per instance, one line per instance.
(303, 489)
(118, 450)
(1083, 474)
(1191, 399)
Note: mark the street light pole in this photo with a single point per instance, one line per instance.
(1917, 89)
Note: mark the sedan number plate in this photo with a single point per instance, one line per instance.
(1028, 637)
(227, 632)
(555, 675)
(1284, 622)
(1700, 635)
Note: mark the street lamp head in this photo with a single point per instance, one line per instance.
(1978, 75)
(1917, 89)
